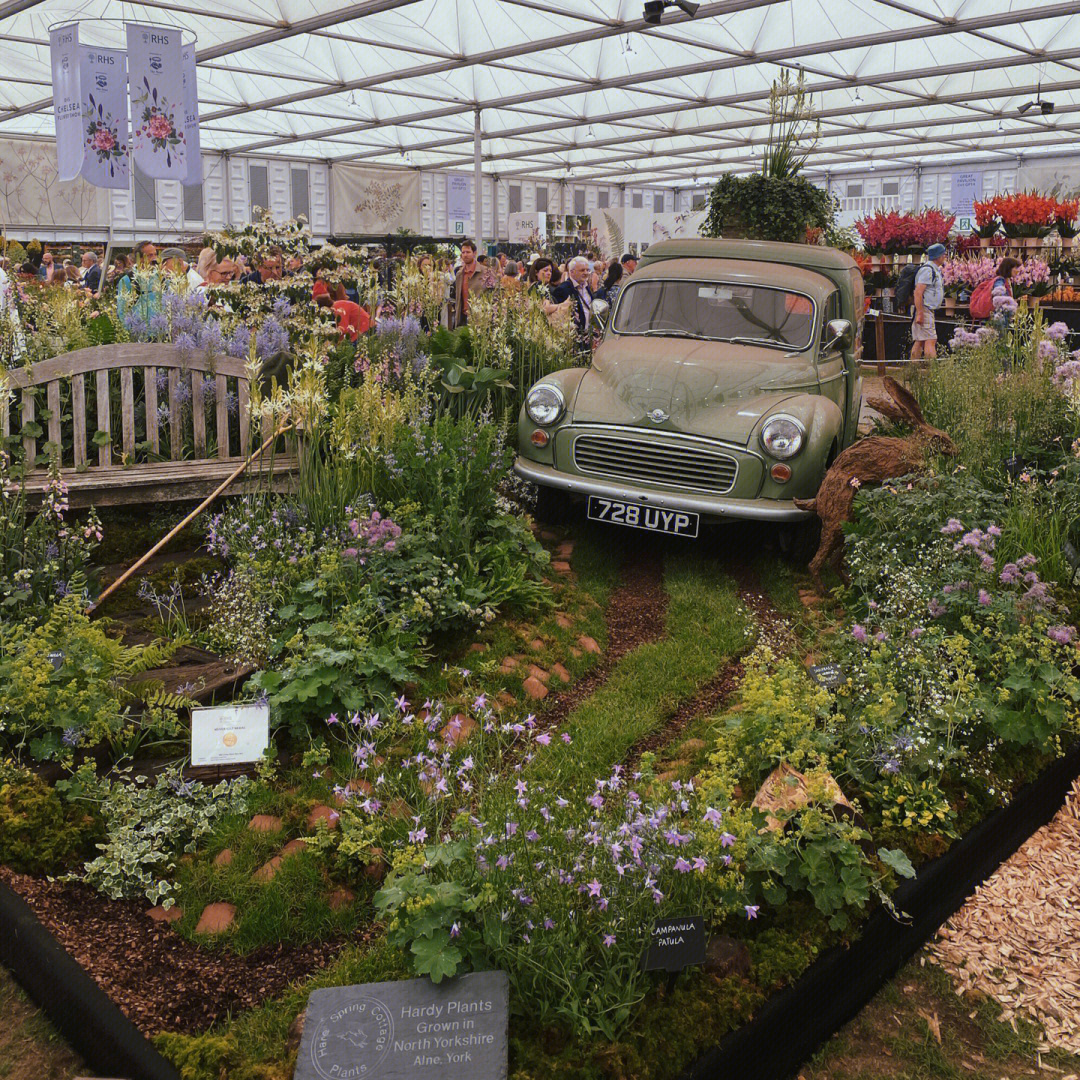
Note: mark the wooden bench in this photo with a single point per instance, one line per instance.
(166, 452)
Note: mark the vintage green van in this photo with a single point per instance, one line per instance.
(724, 385)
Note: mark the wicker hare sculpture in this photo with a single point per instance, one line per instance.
(870, 461)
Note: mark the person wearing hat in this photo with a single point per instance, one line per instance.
(928, 296)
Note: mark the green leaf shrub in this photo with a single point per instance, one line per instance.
(766, 208)
(39, 833)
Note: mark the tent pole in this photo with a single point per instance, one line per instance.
(478, 194)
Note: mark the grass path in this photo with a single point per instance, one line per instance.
(706, 624)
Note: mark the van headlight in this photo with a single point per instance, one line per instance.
(783, 437)
(544, 404)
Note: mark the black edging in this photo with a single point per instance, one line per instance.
(786, 1031)
(792, 1024)
(100, 1033)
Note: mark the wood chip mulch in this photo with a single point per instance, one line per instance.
(159, 980)
(1017, 940)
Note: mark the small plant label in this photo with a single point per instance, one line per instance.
(828, 675)
(676, 944)
(454, 1030)
(56, 659)
(229, 734)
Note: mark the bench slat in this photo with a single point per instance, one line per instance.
(78, 419)
(127, 414)
(153, 437)
(244, 400)
(176, 434)
(53, 399)
(131, 354)
(221, 413)
(28, 416)
(104, 452)
(198, 413)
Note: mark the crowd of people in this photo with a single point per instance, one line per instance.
(566, 290)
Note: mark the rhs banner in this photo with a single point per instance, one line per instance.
(156, 78)
(103, 96)
(67, 111)
(193, 175)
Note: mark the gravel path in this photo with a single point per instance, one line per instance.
(1017, 940)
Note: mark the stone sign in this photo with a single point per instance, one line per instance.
(676, 944)
(454, 1030)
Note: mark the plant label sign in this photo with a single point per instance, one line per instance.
(229, 734)
(453, 1030)
(676, 944)
(828, 675)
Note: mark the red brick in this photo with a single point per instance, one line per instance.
(265, 823)
(216, 919)
(458, 730)
(223, 858)
(322, 813)
(535, 688)
(166, 915)
(588, 644)
(558, 669)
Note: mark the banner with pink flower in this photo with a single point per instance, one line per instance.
(67, 110)
(103, 95)
(193, 176)
(156, 80)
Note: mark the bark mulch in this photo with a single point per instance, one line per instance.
(159, 980)
(1017, 939)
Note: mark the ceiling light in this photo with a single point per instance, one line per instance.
(654, 9)
(1001, 127)
(858, 97)
(629, 50)
(872, 166)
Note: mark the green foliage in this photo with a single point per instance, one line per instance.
(148, 826)
(793, 133)
(48, 709)
(39, 834)
(997, 401)
(958, 660)
(766, 208)
(467, 386)
(45, 554)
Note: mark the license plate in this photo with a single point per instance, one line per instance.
(638, 516)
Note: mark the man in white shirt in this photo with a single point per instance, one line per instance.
(928, 296)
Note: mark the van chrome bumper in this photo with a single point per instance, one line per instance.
(709, 507)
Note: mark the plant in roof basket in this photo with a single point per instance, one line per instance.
(777, 203)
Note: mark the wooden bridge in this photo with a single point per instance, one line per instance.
(184, 425)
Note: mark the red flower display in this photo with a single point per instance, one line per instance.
(893, 232)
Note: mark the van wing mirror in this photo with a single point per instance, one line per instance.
(838, 334)
(600, 310)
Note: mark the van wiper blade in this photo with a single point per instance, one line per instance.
(672, 332)
(750, 341)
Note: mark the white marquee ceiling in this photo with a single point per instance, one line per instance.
(587, 85)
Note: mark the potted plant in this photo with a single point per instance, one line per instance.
(1026, 217)
(1065, 221)
(775, 203)
(986, 221)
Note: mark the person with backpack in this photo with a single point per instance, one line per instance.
(928, 296)
(981, 304)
